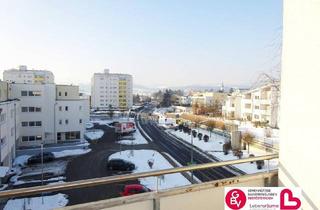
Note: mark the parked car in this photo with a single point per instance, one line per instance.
(120, 165)
(47, 157)
(132, 189)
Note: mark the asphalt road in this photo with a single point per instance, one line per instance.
(93, 165)
(182, 153)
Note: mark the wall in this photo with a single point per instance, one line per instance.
(72, 92)
(299, 144)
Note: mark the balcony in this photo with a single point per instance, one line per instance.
(207, 195)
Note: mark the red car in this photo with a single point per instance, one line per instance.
(132, 189)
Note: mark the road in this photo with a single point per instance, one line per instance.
(182, 153)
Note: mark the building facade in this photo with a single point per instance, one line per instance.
(260, 104)
(232, 106)
(23, 75)
(9, 124)
(43, 108)
(111, 91)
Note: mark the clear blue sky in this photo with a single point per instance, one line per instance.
(161, 42)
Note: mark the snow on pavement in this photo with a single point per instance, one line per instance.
(71, 152)
(140, 159)
(35, 203)
(94, 134)
(214, 147)
(137, 138)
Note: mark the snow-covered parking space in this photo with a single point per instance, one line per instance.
(94, 134)
(141, 157)
(53, 171)
(35, 203)
(133, 139)
(214, 147)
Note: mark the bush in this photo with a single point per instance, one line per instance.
(260, 164)
(200, 136)
(226, 147)
(206, 138)
(251, 155)
(194, 133)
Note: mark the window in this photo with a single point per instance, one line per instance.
(24, 109)
(67, 122)
(25, 138)
(72, 135)
(60, 122)
(80, 107)
(38, 123)
(256, 107)
(256, 116)
(66, 108)
(24, 124)
(38, 109)
(24, 93)
(65, 93)
(59, 93)
(38, 138)
(2, 117)
(31, 109)
(256, 97)
(80, 121)
(32, 138)
(3, 140)
(12, 131)
(31, 123)
(60, 108)
(34, 93)
(59, 136)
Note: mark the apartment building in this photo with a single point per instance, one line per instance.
(111, 90)
(232, 106)
(9, 122)
(71, 113)
(41, 112)
(23, 75)
(208, 98)
(260, 104)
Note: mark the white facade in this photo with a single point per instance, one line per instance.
(257, 105)
(232, 107)
(71, 114)
(111, 90)
(299, 144)
(40, 115)
(262, 104)
(9, 122)
(23, 75)
(36, 112)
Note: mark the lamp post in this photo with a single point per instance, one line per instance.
(42, 170)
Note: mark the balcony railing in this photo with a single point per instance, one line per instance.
(120, 178)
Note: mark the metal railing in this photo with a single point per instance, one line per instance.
(120, 178)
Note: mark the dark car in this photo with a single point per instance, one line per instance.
(47, 157)
(120, 165)
(132, 189)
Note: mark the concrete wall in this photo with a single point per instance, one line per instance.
(46, 116)
(67, 92)
(9, 133)
(3, 91)
(300, 136)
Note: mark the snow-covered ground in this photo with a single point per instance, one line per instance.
(89, 125)
(134, 139)
(94, 134)
(71, 152)
(108, 121)
(141, 157)
(35, 203)
(214, 147)
(267, 135)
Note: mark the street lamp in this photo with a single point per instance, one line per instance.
(42, 170)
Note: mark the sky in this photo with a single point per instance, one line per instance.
(161, 43)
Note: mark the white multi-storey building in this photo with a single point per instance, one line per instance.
(49, 113)
(232, 106)
(111, 90)
(23, 75)
(9, 124)
(260, 104)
